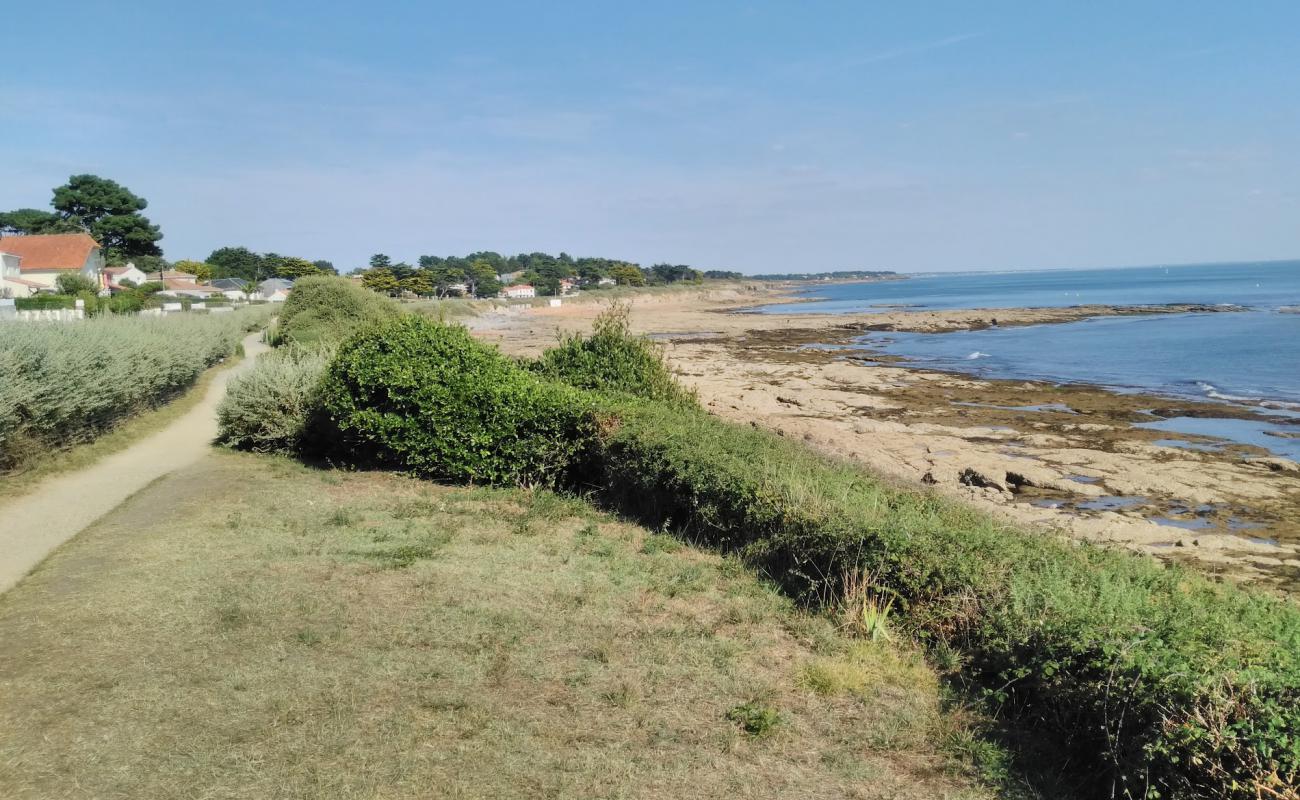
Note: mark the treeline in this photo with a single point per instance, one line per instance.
(841, 275)
(482, 274)
(244, 264)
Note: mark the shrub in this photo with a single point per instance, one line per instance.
(427, 397)
(42, 302)
(611, 359)
(68, 382)
(1161, 682)
(269, 408)
(324, 309)
(74, 283)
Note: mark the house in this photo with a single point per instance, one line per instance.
(507, 278)
(275, 290)
(607, 281)
(12, 283)
(519, 291)
(179, 287)
(459, 289)
(568, 286)
(172, 275)
(232, 288)
(43, 258)
(113, 276)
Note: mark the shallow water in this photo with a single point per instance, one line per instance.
(1250, 359)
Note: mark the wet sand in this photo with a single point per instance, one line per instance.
(1068, 457)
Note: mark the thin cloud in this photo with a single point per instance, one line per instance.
(910, 50)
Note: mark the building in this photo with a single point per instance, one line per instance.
(232, 288)
(114, 276)
(42, 259)
(519, 291)
(12, 283)
(275, 290)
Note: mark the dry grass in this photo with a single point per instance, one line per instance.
(251, 628)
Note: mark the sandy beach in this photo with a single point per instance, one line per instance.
(1066, 457)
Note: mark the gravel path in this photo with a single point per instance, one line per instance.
(34, 525)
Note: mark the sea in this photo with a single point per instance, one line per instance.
(1245, 359)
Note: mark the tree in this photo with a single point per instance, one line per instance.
(75, 283)
(271, 263)
(325, 267)
(290, 267)
(481, 278)
(237, 262)
(418, 283)
(34, 221)
(380, 261)
(111, 214)
(149, 264)
(627, 275)
(380, 280)
(198, 269)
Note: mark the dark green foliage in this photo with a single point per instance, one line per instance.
(75, 283)
(612, 359)
(325, 309)
(426, 397)
(41, 302)
(755, 718)
(1151, 676)
(236, 262)
(34, 221)
(109, 212)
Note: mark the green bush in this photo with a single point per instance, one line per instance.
(426, 397)
(1158, 681)
(326, 309)
(68, 382)
(42, 302)
(74, 283)
(269, 408)
(613, 360)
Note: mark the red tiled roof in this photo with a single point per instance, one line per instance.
(52, 251)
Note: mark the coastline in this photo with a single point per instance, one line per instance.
(1066, 457)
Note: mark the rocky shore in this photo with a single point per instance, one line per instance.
(1068, 457)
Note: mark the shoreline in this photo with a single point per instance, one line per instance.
(1067, 457)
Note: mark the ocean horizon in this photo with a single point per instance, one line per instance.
(1246, 359)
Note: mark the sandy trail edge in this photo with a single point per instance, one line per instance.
(34, 525)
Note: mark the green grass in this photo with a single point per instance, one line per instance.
(310, 634)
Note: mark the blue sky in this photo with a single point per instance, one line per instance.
(757, 136)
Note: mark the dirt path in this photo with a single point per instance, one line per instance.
(34, 525)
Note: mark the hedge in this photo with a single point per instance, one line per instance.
(1164, 683)
(326, 309)
(269, 408)
(612, 360)
(422, 396)
(67, 382)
